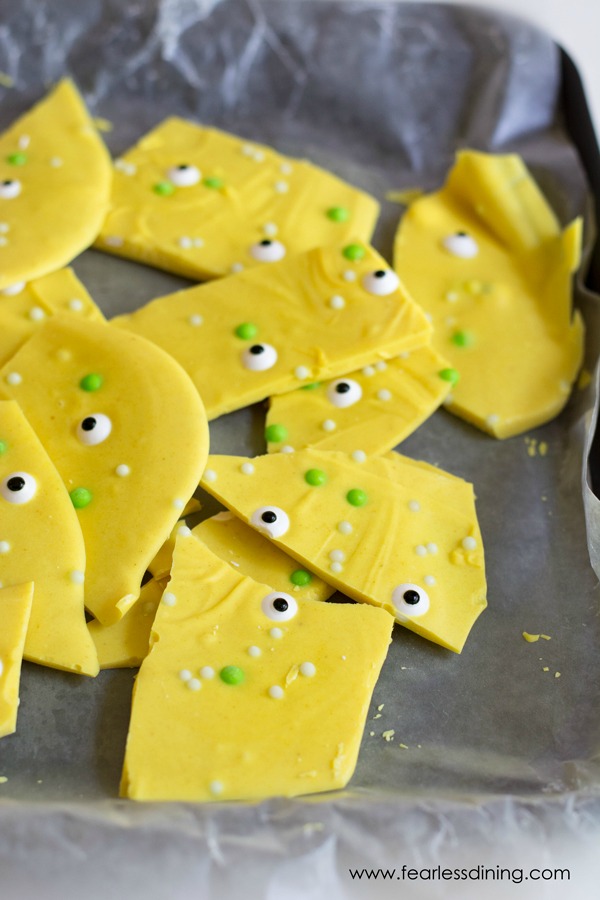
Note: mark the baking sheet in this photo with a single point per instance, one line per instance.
(496, 748)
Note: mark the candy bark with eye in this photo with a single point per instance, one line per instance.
(127, 432)
(272, 329)
(371, 528)
(277, 703)
(489, 262)
(203, 203)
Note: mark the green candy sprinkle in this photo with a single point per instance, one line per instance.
(463, 339)
(300, 578)
(213, 182)
(356, 497)
(246, 331)
(315, 477)
(163, 188)
(354, 252)
(80, 497)
(3, 447)
(91, 382)
(232, 675)
(338, 214)
(16, 159)
(311, 387)
(274, 434)
(450, 375)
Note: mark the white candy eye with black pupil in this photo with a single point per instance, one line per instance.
(267, 251)
(344, 392)
(270, 520)
(410, 600)
(259, 357)
(19, 487)
(381, 282)
(461, 244)
(94, 429)
(279, 607)
(10, 188)
(183, 175)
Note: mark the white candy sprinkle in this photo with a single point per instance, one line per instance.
(236, 267)
(3, 241)
(276, 692)
(75, 305)
(381, 366)
(493, 419)
(287, 448)
(403, 355)
(122, 470)
(13, 289)
(429, 580)
(23, 142)
(368, 371)
(337, 302)
(276, 633)
(185, 674)
(336, 567)
(328, 425)
(469, 543)
(359, 456)
(36, 314)
(345, 527)
(113, 240)
(184, 531)
(210, 475)
(337, 555)
(254, 651)
(428, 316)
(414, 506)
(282, 187)
(247, 468)
(169, 599)
(195, 320)
(207, 672)
(194, 684)
(270, 229)
(420, 550)
(452, 296)
(308, 669)
(178, 503)
(384, 394)
(349, 275)
(302, 372)
(247, 149)
(4, 547)
(286, 169)
(4, 228)
(1, 667)
(216, 787)
(185, 242)
(56, 162)
(14, 378)
(258, 156)
(77, 577)
(432, 548)
(125, 167)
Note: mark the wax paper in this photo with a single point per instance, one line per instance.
(496, 752)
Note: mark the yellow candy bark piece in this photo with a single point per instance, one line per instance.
(380, 541)
(127, 432)
(160, 566)
(267, 331)
(486, 258)
(41, 540)
(368, 411)
(125, 644)
(15, 607)
(202, 203)
(24, 307)
(247, 692)
(55, 178)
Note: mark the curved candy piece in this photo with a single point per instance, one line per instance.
(55, 177)
(203, 203)
(486, 258)
(15, 607)
(127, 432)
(274, 690)
(40, 540)
(389, 542)
(268, 331)
(125, 644)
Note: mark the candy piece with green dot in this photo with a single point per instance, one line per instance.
(338, 213)
(16, 159)
(80, 497)
(274, 434)
(450, 375)
(246, 331)
(301, 578)
(354, 252)
(463, 338)
(163, 188)
(356, 497)
(91, 382)
(214, 182)
(315, 477)
(3, 447)
(232, 675)
(311, 387)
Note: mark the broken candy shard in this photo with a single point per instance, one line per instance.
(15, 607)
(248, 693)
(125, 644)
(486, 258)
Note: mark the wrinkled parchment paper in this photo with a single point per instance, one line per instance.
(498, 753)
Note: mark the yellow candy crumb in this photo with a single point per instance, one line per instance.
(545, 637)
(543, 448)
(404, 197)
(531, 638)
(371, 734)
(557, 674)
(388, 735)
(546, 669)
(380, 707)
(3, 779)
(377, 716)
(103, 124)
(403, 746)
(6, 80)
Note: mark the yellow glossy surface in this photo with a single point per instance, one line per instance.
(502, 315)
(125, 644)
(158, 432)
(288, 305)
(41, 541)
(64, 173)
(15, 607)
(402, 533)
(243, 193)
(195, 737)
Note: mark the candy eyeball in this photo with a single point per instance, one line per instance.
(10, 188)
(267, 251)
(19, 487)
(271, 520)
(410, 600)
(184, 175)
(279, 607)
(381, 282)
(259, 357)
(94, 429)
(344, 392)
(461, 244)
